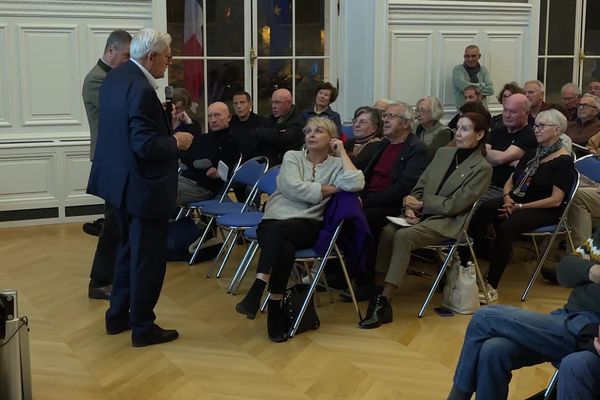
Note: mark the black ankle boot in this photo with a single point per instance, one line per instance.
(375, 292)
(381, 314)
(251, 303)
(276, 322)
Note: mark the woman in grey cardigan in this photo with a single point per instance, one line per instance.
(436, 210)
(294, 214)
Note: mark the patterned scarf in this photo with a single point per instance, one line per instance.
(472, 72)
(532, 166)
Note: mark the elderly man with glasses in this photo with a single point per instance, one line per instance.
(586, 124)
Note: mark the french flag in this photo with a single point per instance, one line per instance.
(193, 70)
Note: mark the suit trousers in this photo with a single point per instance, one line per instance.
(578, 376)
(585, 207)
(395, 245)
(139, 272)
(106, 249)
(279, 240)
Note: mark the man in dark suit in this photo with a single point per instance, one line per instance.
(116, 52)
(135, 171)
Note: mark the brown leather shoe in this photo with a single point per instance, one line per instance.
(99, 293)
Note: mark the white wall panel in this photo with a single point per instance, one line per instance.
(505, 63)
(77, 170)
(4, 74)
(409, 77)
(26, 178)
(50, 92)
(452, 47)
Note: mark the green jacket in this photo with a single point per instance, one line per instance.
(460, 80)
(90, 94)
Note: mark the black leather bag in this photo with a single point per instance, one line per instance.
(292, 302)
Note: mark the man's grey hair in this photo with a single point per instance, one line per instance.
(148, 41)
(117, 38)
(471, 46)
(571, 86)
(408, 114)
(595, 100)
(437, 110)
(554, 117)
(539, 84)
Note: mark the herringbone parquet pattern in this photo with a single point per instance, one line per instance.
(222, 355)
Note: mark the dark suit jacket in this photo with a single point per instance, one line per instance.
(135, 164)
(90, 92)
(277, 136)
(408, 167)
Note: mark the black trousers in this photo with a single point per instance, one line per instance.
(507, 231)
(103, 265)
(279, 240)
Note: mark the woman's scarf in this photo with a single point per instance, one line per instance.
(532, 166)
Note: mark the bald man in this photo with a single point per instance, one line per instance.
(282, 130)
(509, 143)
(199, 179)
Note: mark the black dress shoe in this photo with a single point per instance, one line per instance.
(115, 330)
(155, 336)
(382, 314)
(251, 302)
(99, 293)
(94, 228)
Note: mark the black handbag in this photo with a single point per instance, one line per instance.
(292, 302)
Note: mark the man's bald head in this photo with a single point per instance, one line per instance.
(218, 116)
(281, 102)
(516, 111)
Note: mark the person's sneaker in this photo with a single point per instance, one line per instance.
(491, 292)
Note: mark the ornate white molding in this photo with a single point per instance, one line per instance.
(427, 12)
(121, 9)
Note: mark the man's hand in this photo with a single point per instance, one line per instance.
(212, 173)
(596, 339)
(184, 140)
(594, 273)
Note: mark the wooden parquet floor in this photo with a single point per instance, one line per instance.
(222, 355)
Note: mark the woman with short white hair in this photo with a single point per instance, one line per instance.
(429, 129)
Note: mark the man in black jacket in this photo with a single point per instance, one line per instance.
(282, 130)
(390, 176)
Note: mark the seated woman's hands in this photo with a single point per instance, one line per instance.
(337, 146)
(411, 216)
(508, 208)
(413, 209)
(328, 190)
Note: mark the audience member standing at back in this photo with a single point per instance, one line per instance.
(282, 130)
(116, 52)
(509, 143)
(471, 73)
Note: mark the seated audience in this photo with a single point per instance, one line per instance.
(325, 94)
(501, 339)
(534, 90)
(472, 94)
(594, 88)
(429, 129)
(586, 124)
(367, 128)
(436, 209)
(569, 95)
(294, 213)
(199, 178)
(593, 145)
(533, 196)
(507, 90)
(399, 160)
(243, 123)
(508, 144)
(182, 101)
(381, 104)
(282, 129)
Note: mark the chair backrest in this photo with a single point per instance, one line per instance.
(249, 174)
(589, 166)
(467, 222)
(569, 199)
(268, 182)
(227, 187)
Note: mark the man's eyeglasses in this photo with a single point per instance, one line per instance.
(391, 116)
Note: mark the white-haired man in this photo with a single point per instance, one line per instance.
(569, 95)
(135, 171)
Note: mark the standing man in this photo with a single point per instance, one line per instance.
(116, 52)
(471, 73)
(244, 122)
(135, 171)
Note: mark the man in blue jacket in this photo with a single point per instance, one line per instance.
(135, 171)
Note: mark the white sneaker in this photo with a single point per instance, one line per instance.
(307, 280)
(491, 292)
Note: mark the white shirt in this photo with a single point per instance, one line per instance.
(150, 78)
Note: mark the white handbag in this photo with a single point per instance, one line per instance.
(460, 293)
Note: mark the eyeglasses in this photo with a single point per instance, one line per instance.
(422, 111)
(391, 116)
(541, 127)
(585, 106)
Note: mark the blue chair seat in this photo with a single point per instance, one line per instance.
(222, 208)
(206, 203)
(240, 220)
(306, 253)
(545, 229)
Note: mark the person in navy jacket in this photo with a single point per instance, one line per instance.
(135, 171)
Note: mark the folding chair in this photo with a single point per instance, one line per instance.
(236, 223)
(450, 246)
(589, 166)
(247, 174)
(551, 231)
(309, 255)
